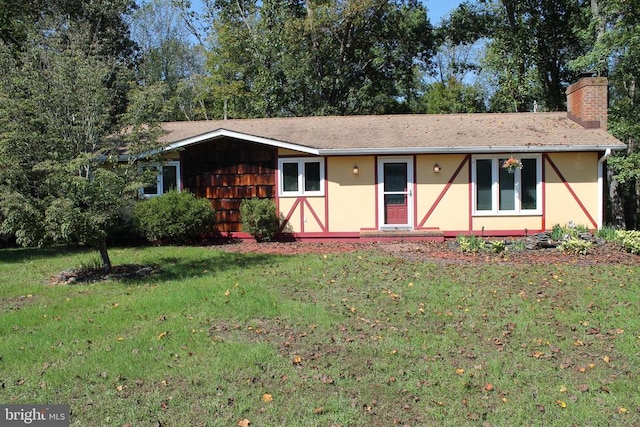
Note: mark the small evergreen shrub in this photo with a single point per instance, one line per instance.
(174, 217)
(259, 218)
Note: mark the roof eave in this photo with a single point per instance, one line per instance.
(225, 133)
(466, 150)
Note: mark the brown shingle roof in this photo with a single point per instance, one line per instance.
(419, 132)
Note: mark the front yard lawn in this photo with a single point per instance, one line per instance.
(355, 338)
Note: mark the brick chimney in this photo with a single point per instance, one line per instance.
(587, 102)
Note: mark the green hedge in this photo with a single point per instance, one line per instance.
(174, 217)
(260, 218)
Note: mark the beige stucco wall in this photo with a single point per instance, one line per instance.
(506, 223)
(284, 152)
(581, 172)
(452, 212)
(352, 198)
(350, 201)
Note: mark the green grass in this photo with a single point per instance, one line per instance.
(356, 339)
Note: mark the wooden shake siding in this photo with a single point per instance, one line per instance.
(227, 171)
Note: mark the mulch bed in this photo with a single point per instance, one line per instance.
(606, 253)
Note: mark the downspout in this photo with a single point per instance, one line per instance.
(601, 161)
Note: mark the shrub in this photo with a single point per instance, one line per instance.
(608, 232)
(174, 217)
(576, 246)
(259, 218)
(629, 239)
(558, 232)
(569, 231)
(470, 244)
(498, 246)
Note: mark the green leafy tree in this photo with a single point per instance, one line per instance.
(278, 58)
(56, 117)
(529, 45)
(613, 38)
(453, 97)
(171, 60)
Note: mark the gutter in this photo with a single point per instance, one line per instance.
(464, 150)
(601, 160)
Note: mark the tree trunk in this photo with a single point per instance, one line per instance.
(617, 205)
(104, 255)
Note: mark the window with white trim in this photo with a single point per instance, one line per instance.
(167, 179)
(301, 176)
(500, 191)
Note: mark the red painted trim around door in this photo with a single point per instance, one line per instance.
(543, 226)
(470, 171)
(376, 187)
(415, 192)
(573, 194)
(443, 192)
(326, 195)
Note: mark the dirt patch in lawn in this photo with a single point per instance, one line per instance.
(447, 252)
(117, 272)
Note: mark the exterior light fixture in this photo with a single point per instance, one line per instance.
(356, 170)
(436, 168)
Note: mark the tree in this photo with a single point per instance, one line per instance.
(453, 97)
(56, 116)
(614, 50)
(169, 55)
(279, 58)
(529, 46)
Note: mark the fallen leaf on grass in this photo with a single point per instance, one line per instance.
(297, 359)
(488, 387)
(459, 371)
(318, 411)
(561, 403)
(267, 398)
(244, 423)
(622, 410)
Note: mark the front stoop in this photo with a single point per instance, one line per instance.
(424, 235)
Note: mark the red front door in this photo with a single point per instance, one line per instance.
(395, 193)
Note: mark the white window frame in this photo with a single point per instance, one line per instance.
(159, 183)
(300, 161)
(495, 187)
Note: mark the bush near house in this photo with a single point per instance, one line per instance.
(174, 217)
(629, 239)
(259, 218)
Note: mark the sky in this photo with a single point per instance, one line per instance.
(437, 9)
